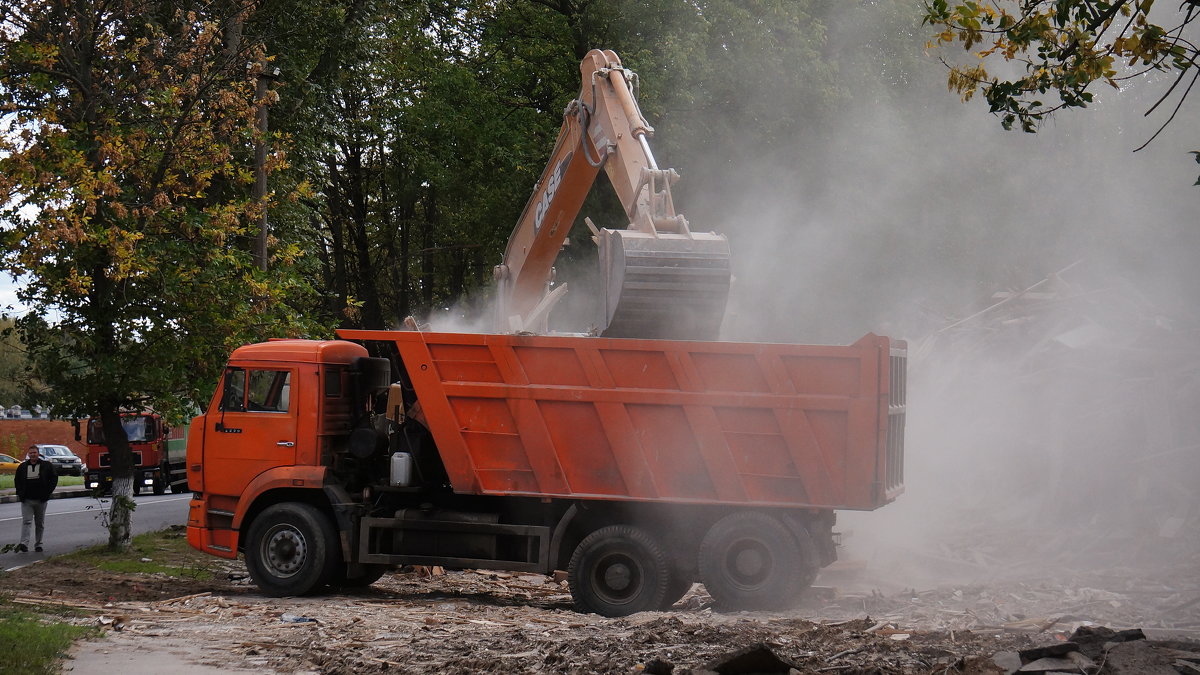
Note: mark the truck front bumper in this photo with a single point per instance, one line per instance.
(142, 478)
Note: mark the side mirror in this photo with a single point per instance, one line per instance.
(75, 424)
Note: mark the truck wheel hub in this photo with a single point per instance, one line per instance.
(618, 577)
(750, 563)
(286, 551)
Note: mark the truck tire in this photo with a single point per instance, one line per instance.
(160, 482)
(750, 560)
(618, 570)
(291, 549)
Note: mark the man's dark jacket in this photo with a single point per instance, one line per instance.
(37, 489)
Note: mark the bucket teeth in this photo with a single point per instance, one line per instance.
(664, 286)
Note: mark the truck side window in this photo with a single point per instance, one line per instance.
(95, 432)
(268, 390)
(235, 390)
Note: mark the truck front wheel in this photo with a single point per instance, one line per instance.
(750, 560)
(291, 549)
(618, 570)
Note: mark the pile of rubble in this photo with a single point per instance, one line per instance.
(492, 622)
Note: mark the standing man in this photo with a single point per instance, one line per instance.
(35, 480)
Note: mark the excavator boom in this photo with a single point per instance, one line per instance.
(659, 278)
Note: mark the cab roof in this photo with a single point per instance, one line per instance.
(299, 351)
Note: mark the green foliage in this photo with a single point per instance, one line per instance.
(126, 187)
(32, 641)
(421, 129)
(126, 194)
(1063, 47)
(14, 380)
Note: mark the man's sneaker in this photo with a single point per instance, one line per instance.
(22, 548)
(37, 549)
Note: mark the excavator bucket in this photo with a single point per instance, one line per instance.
(663, 286)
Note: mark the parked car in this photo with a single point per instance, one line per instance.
(8, 463)
(65, 462)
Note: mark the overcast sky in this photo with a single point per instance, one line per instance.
(8, 296)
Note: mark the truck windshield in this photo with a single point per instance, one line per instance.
(139, 429)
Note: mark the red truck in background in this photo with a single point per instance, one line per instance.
(639, 466)
(158, 455)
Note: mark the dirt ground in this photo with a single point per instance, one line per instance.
(422, 621)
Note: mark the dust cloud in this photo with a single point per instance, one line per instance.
(1047, 287)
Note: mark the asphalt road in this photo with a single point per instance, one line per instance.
(73, 524)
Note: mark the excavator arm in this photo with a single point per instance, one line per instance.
(659, 279)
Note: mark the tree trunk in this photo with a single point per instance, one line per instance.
(404, 260)
(259, 247)
(120, 517)
(358, 178)
(340, 284)
(427, 271)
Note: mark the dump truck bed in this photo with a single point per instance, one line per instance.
(661, 420)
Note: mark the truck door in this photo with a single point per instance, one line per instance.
(254, 429)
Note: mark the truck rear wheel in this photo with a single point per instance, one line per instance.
(618, 570)
(750, 560)
(291, 549)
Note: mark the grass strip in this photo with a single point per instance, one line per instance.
(32, 642)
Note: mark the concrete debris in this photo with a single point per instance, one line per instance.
(1050, 664)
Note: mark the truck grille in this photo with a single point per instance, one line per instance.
(106, 460)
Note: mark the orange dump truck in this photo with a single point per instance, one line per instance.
(638, 466)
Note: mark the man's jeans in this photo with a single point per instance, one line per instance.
(33, 514)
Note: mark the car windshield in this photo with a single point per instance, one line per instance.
(6, 458)
(55, 451)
